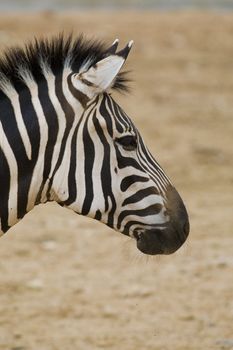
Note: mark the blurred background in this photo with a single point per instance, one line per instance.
(67, 282)
(31, 5)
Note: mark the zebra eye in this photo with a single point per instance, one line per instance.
(129, 142)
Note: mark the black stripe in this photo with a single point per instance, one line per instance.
(72, 183)
(118, 125)
(118, 115)
(124, 162)
(69, 114)
(151, 210)
(80, 96)
(139, 195)
(98, 215)
(124, 118)
(151, 166)
(52, 122)
(141, 226)
(4, 191)
(25, 165)
(89, 157)
(129, 224)
(104, 112)
(67, 108)
(106, 177)
(130, 180)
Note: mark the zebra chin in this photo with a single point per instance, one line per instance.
(154, 242)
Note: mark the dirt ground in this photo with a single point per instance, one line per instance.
(67, 282)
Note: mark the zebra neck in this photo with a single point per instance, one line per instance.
(19, 173)
(34, 129)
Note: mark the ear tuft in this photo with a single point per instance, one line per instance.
(124, 52)
(112, 49)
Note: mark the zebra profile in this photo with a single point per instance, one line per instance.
(64, 138)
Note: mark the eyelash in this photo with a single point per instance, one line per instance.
(129, 142)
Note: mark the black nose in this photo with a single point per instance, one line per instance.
(177, 213)
(168, 240)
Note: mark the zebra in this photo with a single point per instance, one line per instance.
(64, 138)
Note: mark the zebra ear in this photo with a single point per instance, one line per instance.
(100, 77)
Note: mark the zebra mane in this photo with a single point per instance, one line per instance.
(56, 54)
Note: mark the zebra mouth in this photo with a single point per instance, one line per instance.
(147, 245)
(156, 241)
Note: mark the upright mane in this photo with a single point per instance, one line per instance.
(56, 53)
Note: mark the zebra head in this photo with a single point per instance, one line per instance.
(111, 175)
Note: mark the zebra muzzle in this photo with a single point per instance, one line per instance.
(166, 239)
(158, 241)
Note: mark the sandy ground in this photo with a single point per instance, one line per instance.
(67, 282)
